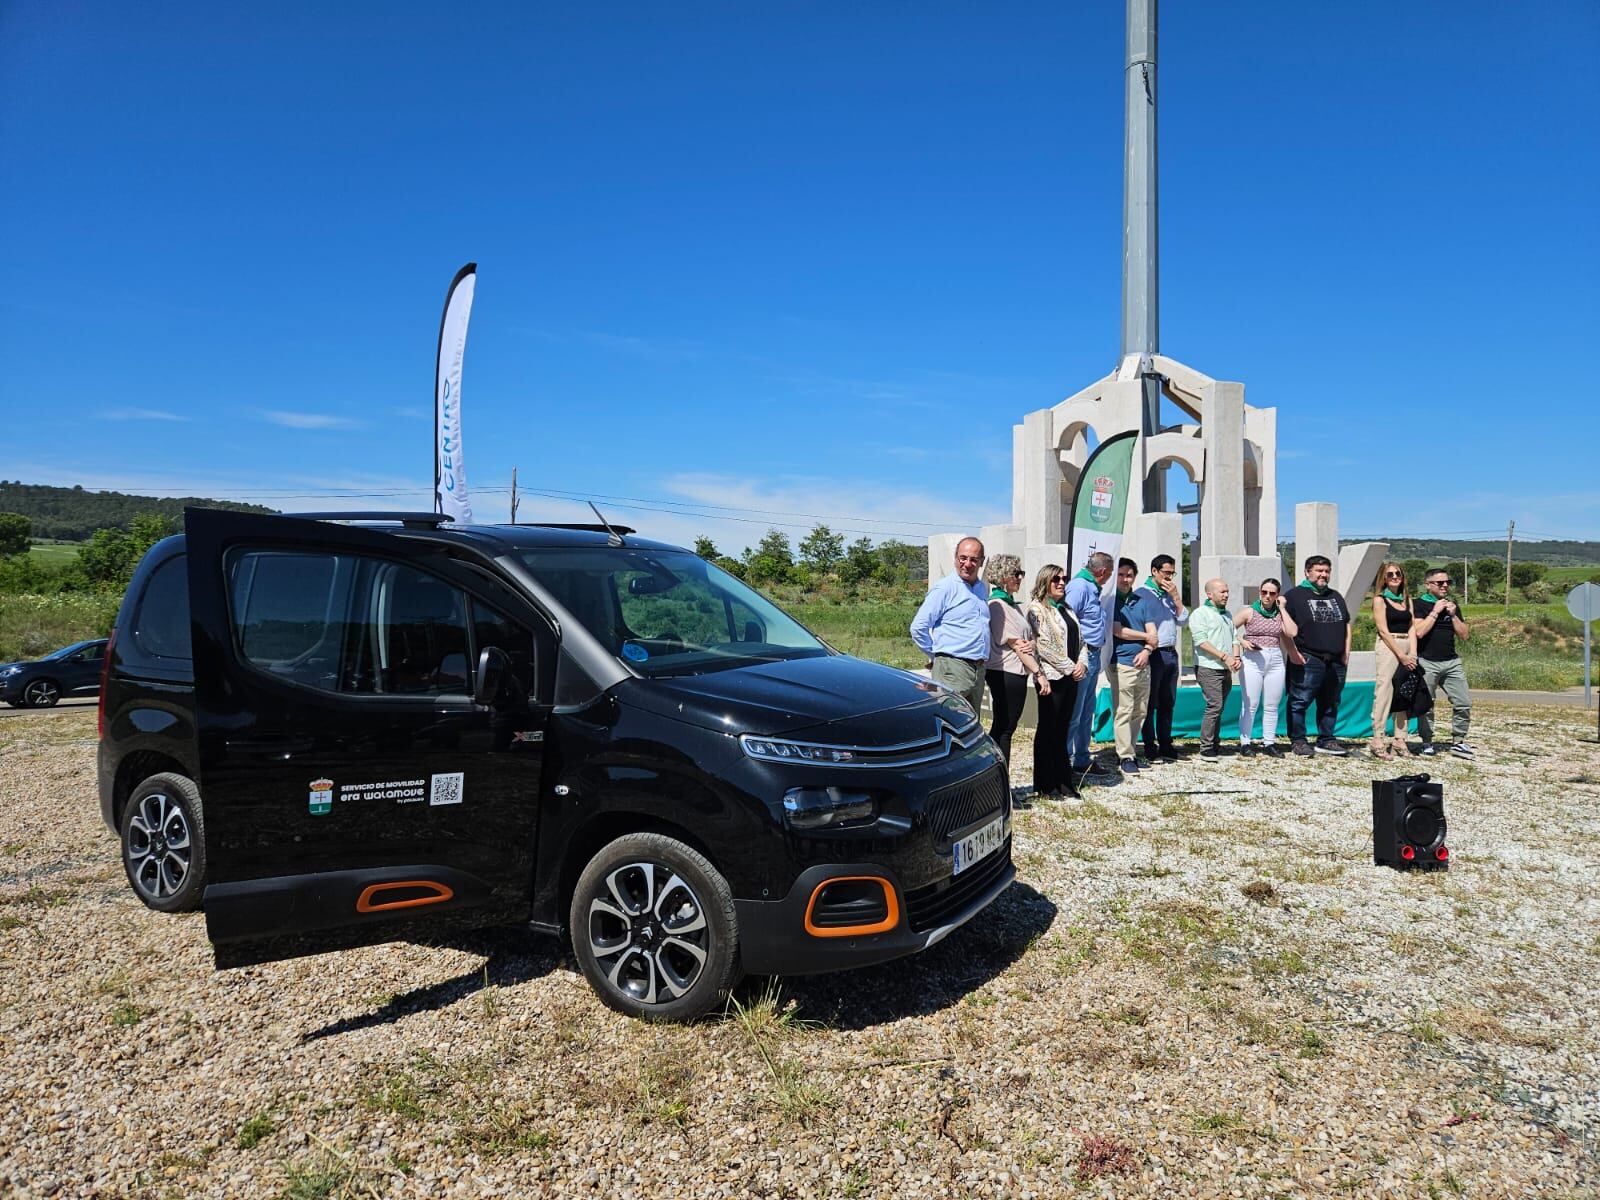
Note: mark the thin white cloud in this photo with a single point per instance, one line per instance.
(308, 420)
(139, 414)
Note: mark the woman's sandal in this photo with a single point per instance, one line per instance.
(1379, 750)
(1401, 750)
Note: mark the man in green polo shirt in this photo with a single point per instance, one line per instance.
(1216, 658)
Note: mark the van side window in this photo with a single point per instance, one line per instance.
(418, 632)
(489, 628)
(161, 626)
(350, 624)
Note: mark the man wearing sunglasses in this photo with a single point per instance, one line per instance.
(1438, 627)
(952, 626)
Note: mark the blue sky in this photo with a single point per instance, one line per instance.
(791, 260)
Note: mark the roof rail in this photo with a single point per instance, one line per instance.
(411, 520)
(591, 527)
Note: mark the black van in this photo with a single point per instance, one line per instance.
(409, 727)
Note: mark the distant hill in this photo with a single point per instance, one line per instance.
(1551, 554)
(73, 514)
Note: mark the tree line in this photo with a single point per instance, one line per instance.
(821, 555)
(104, 563)
(72, 514)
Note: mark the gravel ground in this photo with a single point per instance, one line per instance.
(1202, 987)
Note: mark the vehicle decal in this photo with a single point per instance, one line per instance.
(634, 652)
(528, 735)
(401, 791)
(320, 799)
(445, 789)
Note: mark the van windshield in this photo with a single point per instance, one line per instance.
(668, 612)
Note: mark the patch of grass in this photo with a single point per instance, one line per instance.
(1282, 962)
(1312, 1043)
(317, 1181)
(10, 921)
(402, 1091)
(251, 1133)
(37, 896)
(1218, 1122)
(665, 1087)
(126, 1014)
(1425, 1031)
(491, 1126)
(767, 1021)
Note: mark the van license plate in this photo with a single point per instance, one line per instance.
(979, 845)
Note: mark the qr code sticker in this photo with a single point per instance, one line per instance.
(445, 789)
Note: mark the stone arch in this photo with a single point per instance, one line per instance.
(1072, 453)
(1253, 496)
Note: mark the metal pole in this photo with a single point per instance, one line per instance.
(1141, 276)
(1586, 664)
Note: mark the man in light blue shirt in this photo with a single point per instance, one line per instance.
(952, 626)
(1084, 599)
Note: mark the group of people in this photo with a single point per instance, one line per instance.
(982, 627)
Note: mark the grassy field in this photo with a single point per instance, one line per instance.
(35, 625)
(54, 554)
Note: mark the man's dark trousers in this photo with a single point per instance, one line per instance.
(1163, 699)
(1317, 680)
(1215, 686)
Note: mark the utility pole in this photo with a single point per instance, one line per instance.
(1141, 276)
(1466, 579)
(513, 495)
(1511, 529)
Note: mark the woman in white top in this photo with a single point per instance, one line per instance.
(1063, 661)
(1011, 661)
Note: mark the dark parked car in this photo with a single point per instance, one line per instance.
(70, 671)
(407, 729)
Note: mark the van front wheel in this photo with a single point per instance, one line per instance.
(654, 929)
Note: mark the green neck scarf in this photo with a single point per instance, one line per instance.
(1086, 574)
(1430, 597)
(1265, 612)
(1395, 596)
(1150, 582)
(1124, 596)
(1317, 588)
(999, 593)
(1059, 605)
(1210, 603)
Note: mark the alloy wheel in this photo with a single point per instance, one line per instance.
(648, 932)
(159, 846)
(41, 693)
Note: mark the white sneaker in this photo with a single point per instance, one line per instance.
(1462, 750)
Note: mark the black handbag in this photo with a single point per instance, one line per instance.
(1410, 693)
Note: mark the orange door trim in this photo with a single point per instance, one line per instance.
(369, 901)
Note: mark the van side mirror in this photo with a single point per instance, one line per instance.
(494, 668)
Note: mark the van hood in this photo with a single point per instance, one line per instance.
(780, 697)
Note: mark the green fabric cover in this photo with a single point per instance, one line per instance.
(1354, 720)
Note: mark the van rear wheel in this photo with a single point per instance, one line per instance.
(164, 843)
(654, 929)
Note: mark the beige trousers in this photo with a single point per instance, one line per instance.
(1383, 685)
(1130, 694)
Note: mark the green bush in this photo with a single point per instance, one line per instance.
(1538, 592)
(31, 625)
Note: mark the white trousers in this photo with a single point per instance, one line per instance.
(1262, 674)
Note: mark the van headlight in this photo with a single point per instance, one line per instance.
(828, 808)
(776, 750)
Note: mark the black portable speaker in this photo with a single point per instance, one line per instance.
(1408, 825)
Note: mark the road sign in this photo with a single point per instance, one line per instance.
(1583, 602)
